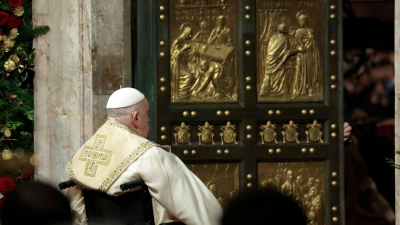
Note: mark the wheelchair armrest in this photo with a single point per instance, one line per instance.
(66, 184)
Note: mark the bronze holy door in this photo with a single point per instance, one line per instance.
(248, 94)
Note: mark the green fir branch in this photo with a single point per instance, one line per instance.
(392, 163)
(4, 6)
(29, 114)
(40, 30)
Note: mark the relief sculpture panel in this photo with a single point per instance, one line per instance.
(290, 36)
(203, 51)
(222, 179)
(303, 181)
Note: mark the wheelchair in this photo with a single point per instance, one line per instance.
(131, 208)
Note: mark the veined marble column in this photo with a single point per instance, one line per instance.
(79, 63)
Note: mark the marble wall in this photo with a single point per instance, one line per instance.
(84, 57)
(397, 110)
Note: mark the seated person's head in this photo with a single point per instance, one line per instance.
(263, 207)
(36, 203)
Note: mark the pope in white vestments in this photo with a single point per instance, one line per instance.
(119, 152)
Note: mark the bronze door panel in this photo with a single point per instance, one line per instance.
(221, 178)
(242, 87)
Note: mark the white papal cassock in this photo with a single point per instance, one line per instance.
(116, 155)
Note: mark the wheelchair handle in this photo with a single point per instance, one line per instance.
(130, 185)
(66, 184)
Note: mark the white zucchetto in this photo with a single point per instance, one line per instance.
(124, 97)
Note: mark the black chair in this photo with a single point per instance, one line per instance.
(131, 208)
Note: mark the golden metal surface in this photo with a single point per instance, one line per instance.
(312, 150)
(248, 79)
(162, 43)
(193, 113)
(162, 54)
(303, 181)
(333, 16)
(333, 86)
(163, 137)
(290, 42)
(333, 42)
(162, 17)
(248, 136)
(333, 52)
(271, 151)
(247, 16)
(206, 134)
(333, 126)
(270, 112)
(278, 112)
(247, 8)
(303, 150)
(249, 185)
(268, 133)
(228, 134)
(334, 219)
(226, 151)
(194, 152)
(162, 89)
(312, 111)
(278, 151)
(248, 53)
(185, 152)
(162, 8)
(163, 129)
(333, 134)
(334, 183)
(162, 79)
(290, 133)
(334, 208)
(227, 113)
(204, 51)
(333, 7)
(249, 176)
(314, 133)
(248, 87)
(248, 127)
(334, 174)
(221, 178)
(304, 111)
(182, 135)
(219, 113)
(219, 151)
(185, 113)
(333, 77)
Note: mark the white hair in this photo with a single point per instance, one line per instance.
(123, 113)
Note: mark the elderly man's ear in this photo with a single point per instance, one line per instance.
(135, 119)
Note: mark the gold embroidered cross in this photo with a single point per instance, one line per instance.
(95, 155)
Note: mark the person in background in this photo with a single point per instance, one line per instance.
(260, 207)
(34, 202)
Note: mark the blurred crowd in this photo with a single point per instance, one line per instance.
(369, 83)
(369, 96)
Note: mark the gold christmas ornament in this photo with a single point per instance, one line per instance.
(11, 63)
(7, 45)
(13, 33)
(5, 130)
(19, 11)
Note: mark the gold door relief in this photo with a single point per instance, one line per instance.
(244, 100)
(290, 36)
(203, 62)
(303, 181)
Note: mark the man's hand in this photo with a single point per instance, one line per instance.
(347, 131)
